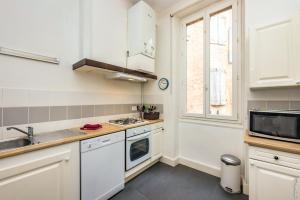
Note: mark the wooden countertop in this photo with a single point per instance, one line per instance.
(289, 147)
(106, 129)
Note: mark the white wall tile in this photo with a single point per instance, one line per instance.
(88, 98)
(58, 98)
(109, 98)
(75, 98)
(1, 133)
(39, 128)
(15, 97)
(90, 120)
(39, 98)
(1, 97)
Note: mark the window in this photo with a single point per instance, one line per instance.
(195, 56)
(211, 62)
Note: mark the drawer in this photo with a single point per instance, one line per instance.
(138, 130)
(275, 157)
(157, 125)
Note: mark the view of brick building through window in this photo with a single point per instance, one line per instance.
(220, 65)
(195, 66)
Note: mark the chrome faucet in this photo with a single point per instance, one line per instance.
(29, 133)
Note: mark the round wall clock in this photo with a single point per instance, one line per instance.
(163, 83)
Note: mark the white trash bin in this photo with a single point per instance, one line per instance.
(231, 173)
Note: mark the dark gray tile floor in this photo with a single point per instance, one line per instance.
(162, 182)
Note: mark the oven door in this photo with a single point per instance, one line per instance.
(137, 149)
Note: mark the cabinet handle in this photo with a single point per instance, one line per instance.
(276, 157)
(105, 141)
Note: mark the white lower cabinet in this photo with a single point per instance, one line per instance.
(48, 174)
(269, 181)
(156, 144)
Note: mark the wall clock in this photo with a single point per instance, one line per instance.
(163, 83)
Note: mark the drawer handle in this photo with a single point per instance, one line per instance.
(106, 141)
(276, 157)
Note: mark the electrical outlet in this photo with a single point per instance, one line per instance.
(134, 108)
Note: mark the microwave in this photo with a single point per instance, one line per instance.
(280, 125)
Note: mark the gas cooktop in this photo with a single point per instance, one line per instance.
(126, 121)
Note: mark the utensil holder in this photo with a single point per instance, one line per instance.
(151, 115)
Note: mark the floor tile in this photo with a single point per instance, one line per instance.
(162, 182)
(129, 194)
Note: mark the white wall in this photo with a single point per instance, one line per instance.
(205, 144)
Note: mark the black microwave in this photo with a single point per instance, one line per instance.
(280, 125)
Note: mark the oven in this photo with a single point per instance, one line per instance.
(138, 146)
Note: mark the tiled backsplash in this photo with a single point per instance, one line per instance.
(24, 106)
(24, 115)
(273, 105)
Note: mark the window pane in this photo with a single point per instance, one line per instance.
(194, 56)
(220, 63)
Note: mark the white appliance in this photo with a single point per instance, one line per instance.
(138, 145)
(141, 37)
(102, 166)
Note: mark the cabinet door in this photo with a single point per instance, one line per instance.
(156, 144)
(148, 32)
(273, 54)
(46, 174)
(273, 182)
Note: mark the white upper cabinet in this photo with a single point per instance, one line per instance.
(141, 37)
(274, 54)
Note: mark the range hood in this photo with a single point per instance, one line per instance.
(113, 71)
(127, 77)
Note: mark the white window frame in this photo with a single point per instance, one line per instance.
(236, 63)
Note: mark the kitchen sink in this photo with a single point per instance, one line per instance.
(39, 138)
(11, 144)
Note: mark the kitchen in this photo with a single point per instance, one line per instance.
(129, 99)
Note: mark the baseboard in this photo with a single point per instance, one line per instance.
(169, 161)
(212, 170)
(245, 187)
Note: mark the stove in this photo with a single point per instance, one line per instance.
(125, 121)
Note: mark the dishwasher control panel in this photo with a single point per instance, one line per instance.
(101, 141)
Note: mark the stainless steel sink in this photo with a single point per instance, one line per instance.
(11, 144)
(40, 138)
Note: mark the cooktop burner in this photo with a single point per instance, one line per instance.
(125, 121)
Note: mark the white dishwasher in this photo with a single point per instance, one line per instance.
(102, 166)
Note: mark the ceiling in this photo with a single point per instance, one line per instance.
(159, 5)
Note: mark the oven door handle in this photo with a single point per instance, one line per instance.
(138, 137)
